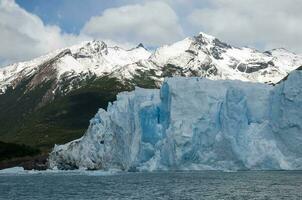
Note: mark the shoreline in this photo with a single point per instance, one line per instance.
(38, 162)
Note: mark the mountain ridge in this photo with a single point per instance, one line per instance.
(97, 58)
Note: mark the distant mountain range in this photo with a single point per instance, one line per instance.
(50, 99)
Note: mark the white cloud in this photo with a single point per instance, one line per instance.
(269, 23)
(153, 23)
(24, 36)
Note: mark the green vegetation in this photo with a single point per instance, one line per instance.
(170, 70)
(63, 119)
(9, 151)
(24, 121)
(144, 79)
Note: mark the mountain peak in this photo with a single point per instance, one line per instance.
(140, 45)
(206, 36)
(204, 39)
(88, 48)
(97, 45)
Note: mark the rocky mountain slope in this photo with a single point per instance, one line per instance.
(50, 99)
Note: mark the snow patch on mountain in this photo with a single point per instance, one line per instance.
(68, 64)
(174, 54)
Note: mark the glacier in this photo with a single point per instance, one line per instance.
(194, 124)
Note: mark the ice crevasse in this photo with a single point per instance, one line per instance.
(194, 124)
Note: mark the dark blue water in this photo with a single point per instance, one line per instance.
(162, 185)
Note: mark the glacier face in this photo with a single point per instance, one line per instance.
(194, 124)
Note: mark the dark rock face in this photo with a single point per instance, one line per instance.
(250, 68)
(92, 48)
(256, 67)
(46, 70)
(219, 49)
(268, 53)
(199, 39)
(242, 67)
(140, 45)
(46, 74)
(216, 52)
(172, 70)
(222, 45)
(191, 52)
(28, 163)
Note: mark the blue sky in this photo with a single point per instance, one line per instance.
(30, 28)
(70, 15)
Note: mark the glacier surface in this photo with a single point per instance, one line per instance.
(194, 124)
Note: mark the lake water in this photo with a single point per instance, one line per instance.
(160, 185)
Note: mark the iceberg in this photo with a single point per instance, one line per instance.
(12, 170)
(194, 124)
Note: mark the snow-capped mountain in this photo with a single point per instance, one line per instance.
(202, 55)
(88, 58)
(206, 56)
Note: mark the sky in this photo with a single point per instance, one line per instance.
(30, 28)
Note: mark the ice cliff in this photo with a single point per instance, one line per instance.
(194, 123)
